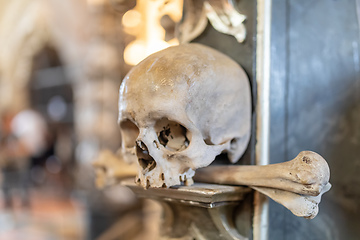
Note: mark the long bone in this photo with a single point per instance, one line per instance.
(306, 174)
(300, 205)
(297, 184)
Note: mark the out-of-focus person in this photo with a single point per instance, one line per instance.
(24, 140)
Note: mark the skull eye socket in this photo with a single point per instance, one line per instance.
(129, 133)
(172, 135)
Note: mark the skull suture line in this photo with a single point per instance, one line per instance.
(180, 108)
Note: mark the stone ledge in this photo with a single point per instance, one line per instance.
(199, 194)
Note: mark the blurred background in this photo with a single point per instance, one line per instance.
(61, 65)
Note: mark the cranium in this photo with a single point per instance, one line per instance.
(180, 108)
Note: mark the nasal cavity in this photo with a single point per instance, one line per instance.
(146, 162)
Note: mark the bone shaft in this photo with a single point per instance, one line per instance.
(238, 175)
(261, 176)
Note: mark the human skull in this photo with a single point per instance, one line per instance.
(180, 108)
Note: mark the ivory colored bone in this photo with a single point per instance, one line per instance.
(111, 168)
(297, 184)
(306, 174)
(180, 108)
(300, 205)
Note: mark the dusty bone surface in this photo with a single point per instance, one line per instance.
(300, 203)
(308, 173)
(297, 184)
(180, 108)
